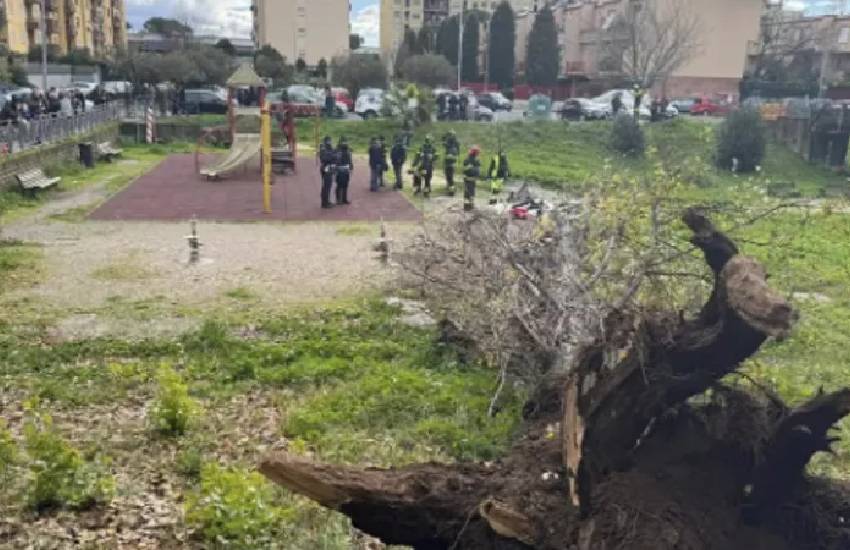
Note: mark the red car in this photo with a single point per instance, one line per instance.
(342, 97)
(706, 107)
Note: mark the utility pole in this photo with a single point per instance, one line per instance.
(43, 25)
(459, 46)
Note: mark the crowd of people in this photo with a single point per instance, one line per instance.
(337, 165)
(56, 103)
(452, 106)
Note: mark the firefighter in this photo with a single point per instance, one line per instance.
(327, 163)
(471, 173)
(428, 158)
(416, 171)
(344, 167)
(398, 155)
(637, 91)
(498, 174)
(452, 148)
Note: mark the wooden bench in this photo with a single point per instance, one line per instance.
(107, 152)
(35, 179)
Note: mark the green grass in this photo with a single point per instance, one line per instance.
(19, 264)
(567, 156)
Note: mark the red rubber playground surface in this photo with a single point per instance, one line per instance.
(173, 191)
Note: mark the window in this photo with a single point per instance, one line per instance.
(844, 37)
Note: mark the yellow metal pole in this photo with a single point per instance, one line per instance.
(266, 131)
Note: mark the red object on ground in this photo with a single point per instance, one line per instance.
(706, 107)
(519, 213)
(173, 191)
(341, 96)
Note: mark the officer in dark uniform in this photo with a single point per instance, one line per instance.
(375, 167)
(398, 155)
(327, 164)
(428, 160)
(344, 167)
(471, 173)
(452, 148)
(416, 171)
(384, 164)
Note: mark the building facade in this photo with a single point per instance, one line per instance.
(99, 26)
(310, 30)
(726, 30)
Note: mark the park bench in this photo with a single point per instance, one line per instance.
(35, 179)
(107, 152)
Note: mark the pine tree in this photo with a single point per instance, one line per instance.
(471, 44)
(425, 40)
(411, 41)
(500, 53)
(543, 57)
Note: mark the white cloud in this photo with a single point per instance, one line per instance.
(221, 17)
(366, 23)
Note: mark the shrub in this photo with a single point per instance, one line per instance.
(233, 508)
(189, 463)
(742, 137)
(58, 473)
(172, 410)
(627, 136)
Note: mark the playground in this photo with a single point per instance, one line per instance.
(173, 191)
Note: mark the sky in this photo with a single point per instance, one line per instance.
(232, 18)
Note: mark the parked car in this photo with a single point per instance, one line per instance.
(203, 101)
(604, 102)
(580, 109)
(539, 107)
(706, 107)
(342, 97)
(118, 88)
(84, 87)
(683, 105)
(370, 102)
(495, 101)
(305, 95)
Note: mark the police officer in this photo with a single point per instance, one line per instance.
(498, 174)
(384, 164)
(427, 161)
(452, 148)
(398, 155)
(327, 163)
(344, 167)
(471, 173)
(376, 169)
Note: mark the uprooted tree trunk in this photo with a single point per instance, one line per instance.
(637, 445)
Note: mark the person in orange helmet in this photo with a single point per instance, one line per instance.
(471, 173)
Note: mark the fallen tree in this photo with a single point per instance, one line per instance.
(635, 435)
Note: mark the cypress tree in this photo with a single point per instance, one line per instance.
(471, 43)
(543, 56)
(500, 53)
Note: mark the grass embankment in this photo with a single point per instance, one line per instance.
(348, 383)
(561, 155)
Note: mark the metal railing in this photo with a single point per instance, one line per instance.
(43, 129)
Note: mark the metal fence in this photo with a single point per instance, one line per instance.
(23, 134)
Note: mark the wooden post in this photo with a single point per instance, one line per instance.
(266, 155)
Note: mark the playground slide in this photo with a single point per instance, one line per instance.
(245, 147)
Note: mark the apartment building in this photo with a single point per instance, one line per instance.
(303, 29)
(99, 26)
(821, 42)
(727, 27)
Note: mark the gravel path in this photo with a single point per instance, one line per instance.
(133, 279)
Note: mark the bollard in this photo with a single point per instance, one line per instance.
(194, 244)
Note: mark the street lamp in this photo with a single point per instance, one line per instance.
(460, 43)
(43, 25)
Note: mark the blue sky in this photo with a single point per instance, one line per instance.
(233, 17)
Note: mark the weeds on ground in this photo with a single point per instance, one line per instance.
(58, 474)
(172, 411)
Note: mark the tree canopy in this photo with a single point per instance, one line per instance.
(356, 72)
(429, 70)
(447, 39)
(471, 43)
(226, 46)
(500, 54)
(270, 63)
(543, 56)
(354, 41)
(168, 27)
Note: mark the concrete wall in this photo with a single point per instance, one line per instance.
(61, 76)
(307, 29)
(50, 157)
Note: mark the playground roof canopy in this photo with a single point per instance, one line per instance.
(245, 76)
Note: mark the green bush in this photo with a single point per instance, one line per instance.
(742, 137)
(190, 462)
(627, 136)
(173, 410)
(58, 473)
(234, 508)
